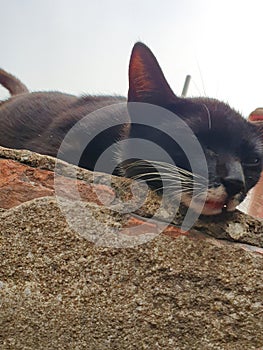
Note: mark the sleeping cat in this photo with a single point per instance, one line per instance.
(231, 147)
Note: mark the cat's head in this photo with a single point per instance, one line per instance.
(232, 147)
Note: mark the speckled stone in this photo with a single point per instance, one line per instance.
(58, 290)
(25, 175)
(62, 288)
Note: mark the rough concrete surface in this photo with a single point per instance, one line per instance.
(59, 290)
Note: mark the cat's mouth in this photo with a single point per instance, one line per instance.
(213, 206)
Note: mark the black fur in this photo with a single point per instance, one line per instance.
(232, 146)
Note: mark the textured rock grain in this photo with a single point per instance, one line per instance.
(25, 175)
(61, 288)
(60, 291)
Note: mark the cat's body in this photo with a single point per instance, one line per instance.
(42, 120)
(232, 147)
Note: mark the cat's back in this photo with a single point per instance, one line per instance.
(35, 106)
(28, 118)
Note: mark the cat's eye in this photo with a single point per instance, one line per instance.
(253, 161)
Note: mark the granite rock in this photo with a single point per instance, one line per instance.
(62, 289)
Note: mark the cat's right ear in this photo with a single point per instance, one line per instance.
(146, 80)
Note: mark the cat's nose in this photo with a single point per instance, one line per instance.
(233, 185)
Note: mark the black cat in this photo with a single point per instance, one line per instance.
(221, 141)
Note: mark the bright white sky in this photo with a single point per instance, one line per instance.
(83, 46)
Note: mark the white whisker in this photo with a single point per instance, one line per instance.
(209, 117)
(163, 176)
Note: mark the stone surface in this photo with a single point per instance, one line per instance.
(26, 175)
(20, 183)
(60, 291)
(61, 287)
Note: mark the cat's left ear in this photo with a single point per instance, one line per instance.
(146, 80)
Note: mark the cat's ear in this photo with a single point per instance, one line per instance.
(256, 117)
(146, 80)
